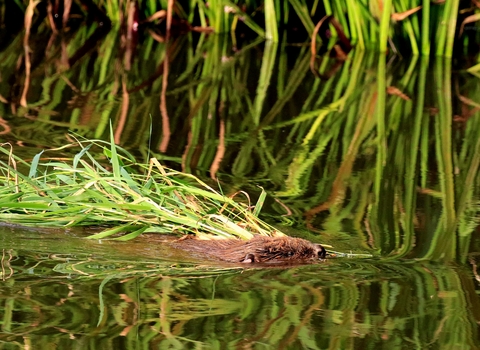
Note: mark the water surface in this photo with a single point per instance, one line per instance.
(73, 293)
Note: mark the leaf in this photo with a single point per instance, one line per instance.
(132, 235)
(33, 167)
(400, 16)
(156, 15)
(80, 155)
(114, 158)
(469, 19)
(392, 90)
(260, 202)
(112, 231)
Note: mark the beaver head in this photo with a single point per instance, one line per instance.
(271, 249)
(259, 249)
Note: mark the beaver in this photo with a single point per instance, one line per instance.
(259, 249)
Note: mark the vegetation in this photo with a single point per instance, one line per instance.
(156, 199)
(370, 153)
(363, 152)
(419, 26)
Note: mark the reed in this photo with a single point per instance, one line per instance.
(417, 27)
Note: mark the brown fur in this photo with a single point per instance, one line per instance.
(258, 249)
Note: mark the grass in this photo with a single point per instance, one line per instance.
(130, 197)
(419, 27)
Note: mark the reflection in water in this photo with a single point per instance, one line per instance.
(80, 300)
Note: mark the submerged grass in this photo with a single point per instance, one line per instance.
(130, 197)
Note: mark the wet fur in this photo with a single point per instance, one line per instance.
(256, 250)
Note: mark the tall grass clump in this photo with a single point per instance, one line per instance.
(418, 27)
(128, 196)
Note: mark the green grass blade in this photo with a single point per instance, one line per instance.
(114, 157)
(260, 202)
(34, 165)
(271, 29)
(113, 231)
(131, 235)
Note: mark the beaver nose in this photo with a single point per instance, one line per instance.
(321, 253)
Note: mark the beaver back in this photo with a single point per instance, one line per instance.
(258, 249)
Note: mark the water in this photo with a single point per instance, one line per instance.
(66, 292)
(380, 158)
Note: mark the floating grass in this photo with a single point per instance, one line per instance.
(127, 196)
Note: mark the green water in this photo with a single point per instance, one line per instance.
(61, 291)
(382, 158)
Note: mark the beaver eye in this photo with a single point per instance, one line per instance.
(290, 254)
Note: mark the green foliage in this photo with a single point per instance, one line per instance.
(151, 199)
(419, 27)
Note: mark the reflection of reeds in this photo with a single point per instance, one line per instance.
(5, 262)
(359, 305)
(421, 26)
(28, 24)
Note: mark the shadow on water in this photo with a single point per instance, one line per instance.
(382, 158)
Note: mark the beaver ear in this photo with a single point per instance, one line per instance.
(249, 258)
(321, 252)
